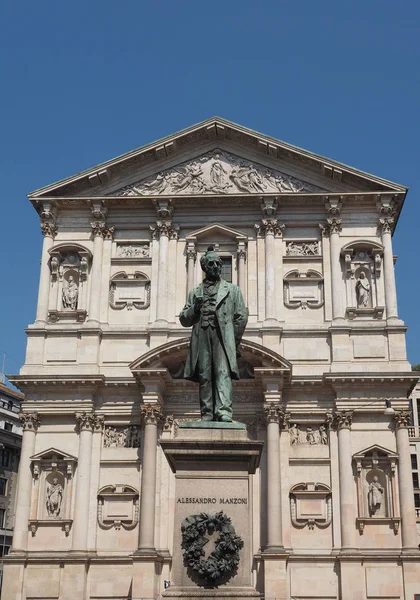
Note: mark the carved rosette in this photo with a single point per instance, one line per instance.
(151, 414)
(270, 227)
(273, 414)
(30, 421)
(402, 419)
(343, 419)
(89, 421)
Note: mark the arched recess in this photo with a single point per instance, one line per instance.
(254, 360)
(362, 266)
(69, 265)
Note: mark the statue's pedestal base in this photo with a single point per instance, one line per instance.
(212, 465)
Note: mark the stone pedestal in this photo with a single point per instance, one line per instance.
(212, 463)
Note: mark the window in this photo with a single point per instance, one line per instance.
(3, 486)
(417, 500)
(4, 550)
(10, 405)
(5, 457)
(414, 462)
(2, 514)
(8, 426)
(227, 268)
(416, 481)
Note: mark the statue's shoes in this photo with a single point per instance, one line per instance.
(225, 419)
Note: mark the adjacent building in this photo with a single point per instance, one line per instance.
(328, 511)
(10, 445)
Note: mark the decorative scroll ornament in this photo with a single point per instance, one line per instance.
(127, 499)
(30, 421)
(386, 224)
(318, 497)
(129, 290)
(151, 414)
(89, 421)
(402, 418)
(217, 172)
(305, 290)
(222, 562)
(99, 228)
(270, 227)
(164, 228)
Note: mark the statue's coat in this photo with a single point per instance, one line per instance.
(231, 316)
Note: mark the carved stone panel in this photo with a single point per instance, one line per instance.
(118, 506)
(303, 249)
(310, 505)
(133, 250)
(303, 290)
(217, 172)
(129, 291)
(121, 437)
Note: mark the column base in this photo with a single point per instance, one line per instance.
(146, 552)
(412, 551)
(348, 551)
(274, 550)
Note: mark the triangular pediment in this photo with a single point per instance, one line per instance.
(217, 172)
(216, 230)
(375, 449)
(53, 452)
(216, 157)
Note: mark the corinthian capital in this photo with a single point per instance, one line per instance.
(164, 228)
(273, 414)
(343, 419)
(386, 224)
(402, 419)
(89, 421)
(270, 227)
(30, 421)
(151, 414)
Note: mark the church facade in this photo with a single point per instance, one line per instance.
(318, 486)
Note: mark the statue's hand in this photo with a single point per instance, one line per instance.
(198, 303)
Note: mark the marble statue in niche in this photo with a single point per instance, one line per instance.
(375, 495)
(70, 293)
(54, 498)
(122, 437)
(362, 291)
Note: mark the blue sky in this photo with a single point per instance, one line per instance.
(86, 81)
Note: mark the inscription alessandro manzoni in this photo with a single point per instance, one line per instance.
(212, 501)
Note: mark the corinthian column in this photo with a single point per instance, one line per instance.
(30, 422)
(343, 421)
(385, 225)
(273, 416)
(164, 231)
(241, 254)
(87, 422)
(49, 230)
(151, 415)
(191, 258)
(405, 481)
(270, 229)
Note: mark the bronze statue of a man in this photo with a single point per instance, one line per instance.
(216, 310)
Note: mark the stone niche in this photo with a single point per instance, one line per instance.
(69, 266)
(362, 265)
(375, 470)
(53, 472)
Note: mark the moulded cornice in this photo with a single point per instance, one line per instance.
(23, 382)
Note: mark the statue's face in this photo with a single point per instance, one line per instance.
(362, 275)
(55, 481)
(213, 268)
(71, 279)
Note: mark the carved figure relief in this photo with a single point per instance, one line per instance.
(363, 291)
(54, 498)
(129, 291)
(217, 172)
(70, 292)
(133, 250)
(308, 435)
(310, 248)
(304, 290)
(375, 495)
(122, 437)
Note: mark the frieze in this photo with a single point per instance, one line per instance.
(217, 172)
(133, 250)
(303, 249)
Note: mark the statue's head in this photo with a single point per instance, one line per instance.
(362, 275)
(211, 263)
(375, 478)
(55, 481)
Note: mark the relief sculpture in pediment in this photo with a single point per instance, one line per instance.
(217, 172)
